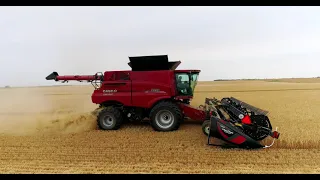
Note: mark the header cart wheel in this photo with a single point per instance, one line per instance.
(206, 127)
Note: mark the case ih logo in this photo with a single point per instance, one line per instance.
(109, 91)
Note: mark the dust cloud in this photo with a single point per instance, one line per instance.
(28, 111)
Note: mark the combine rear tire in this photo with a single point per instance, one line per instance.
(206, 127)
(166, 116)
(110, 118)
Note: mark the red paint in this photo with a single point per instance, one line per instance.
(193, 113)
(246, 120)
(182, 97)
(238, 140)
(223, 122)
(275, 134)
(137, 89)
(77, 78)
(141, 89)
(222, 133)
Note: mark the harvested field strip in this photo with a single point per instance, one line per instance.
(100, 152)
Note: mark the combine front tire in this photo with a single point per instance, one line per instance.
(110, 118)
(165, 116)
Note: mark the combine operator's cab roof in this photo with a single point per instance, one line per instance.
(152, 63)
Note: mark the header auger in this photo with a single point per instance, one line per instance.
(153, 89)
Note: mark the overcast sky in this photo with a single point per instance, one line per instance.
(223, 42)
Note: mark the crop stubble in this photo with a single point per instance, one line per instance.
(51, 130)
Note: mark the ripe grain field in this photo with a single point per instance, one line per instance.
(51, 130)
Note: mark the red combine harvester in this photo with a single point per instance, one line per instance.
(155, 90)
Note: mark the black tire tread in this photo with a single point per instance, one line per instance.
(171, 106)
(112, 110)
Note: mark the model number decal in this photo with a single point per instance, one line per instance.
(109, 91)
(154, 91)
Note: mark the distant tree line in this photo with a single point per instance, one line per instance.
(252, 79)
(235, 79)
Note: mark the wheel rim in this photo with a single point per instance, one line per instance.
(164, 119)
(206, 129)
(108, 121)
